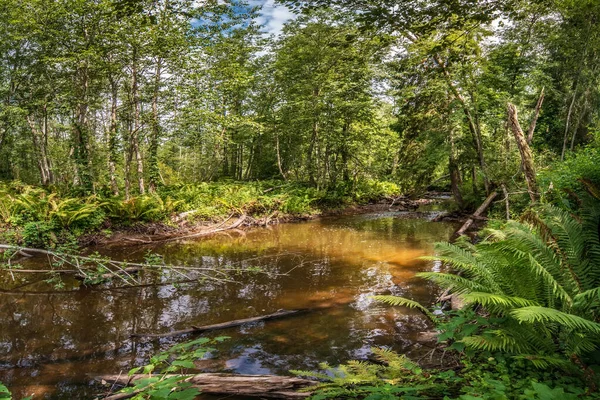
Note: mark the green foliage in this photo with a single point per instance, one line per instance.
(394, 376)
(538, 281)
(39, 234)
(4, 393)
(161, 382)
(487, 376)
(562, 180)
(146, 208)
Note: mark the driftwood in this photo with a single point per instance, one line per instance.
(225, 325)
(477, 213)
(265, 386)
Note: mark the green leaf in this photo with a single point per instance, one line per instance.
(544, 315)
(183, 363)
(188, 394)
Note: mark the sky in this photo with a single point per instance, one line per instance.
(273, 16)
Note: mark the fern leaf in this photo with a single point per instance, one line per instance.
(534, 314)
(401, 301)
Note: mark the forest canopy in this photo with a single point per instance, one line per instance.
(127, 96)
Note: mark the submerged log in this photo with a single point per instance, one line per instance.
(477, 213)
(225, 325)
(265, 386)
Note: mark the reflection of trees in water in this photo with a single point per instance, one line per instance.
(64, 336)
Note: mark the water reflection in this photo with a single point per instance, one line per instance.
(49, 342)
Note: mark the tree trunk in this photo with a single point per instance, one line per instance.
(81, 130)
(279, 163)
(112, 137)
(264, 386)
(135, 140)
(536, 114)
(454, 173)
(525, 151)
(344, 152)
(581, 114)
(38, 144)
(153, 150)
(484, 206)
(311, 150)
(473, 122)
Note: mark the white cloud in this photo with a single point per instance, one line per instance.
(273, 16)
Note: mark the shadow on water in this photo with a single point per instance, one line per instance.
(51, 341)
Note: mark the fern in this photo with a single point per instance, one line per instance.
(569, 321)
(401, 301)
(541, 276)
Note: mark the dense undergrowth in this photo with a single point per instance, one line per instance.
(530, 325)
(46, 217)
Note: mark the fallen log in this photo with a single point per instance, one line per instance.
(477, 213)
(265, 386)
(225, 325)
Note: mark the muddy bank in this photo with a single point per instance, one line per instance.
(180, 227)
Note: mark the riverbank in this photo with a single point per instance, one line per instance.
(180, 228)
(49, 218)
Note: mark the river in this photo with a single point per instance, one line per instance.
(53, 340)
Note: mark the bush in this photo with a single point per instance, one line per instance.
(562, 180)
(39, 234)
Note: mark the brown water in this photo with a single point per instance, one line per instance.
(51, 341)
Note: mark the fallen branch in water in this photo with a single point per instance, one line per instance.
(95, 269)
(484, 206)
(224, 325)
(238, 322)
(265, 386)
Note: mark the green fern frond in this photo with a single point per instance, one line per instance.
(401, 301)
(543, 362)
(490, 299)
(457, 284)
(395, 361)
(494, 342)
(535, 314)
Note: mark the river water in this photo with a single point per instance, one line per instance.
(53, 341)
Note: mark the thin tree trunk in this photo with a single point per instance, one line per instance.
(566, 136)
(279, 164)
(80, 130)
(153, 150)
(454, 173)
(536, 114)
(581, 113)
(472, 122)
(135, 141)
(506, 201)
(311, 150)
(42, 157)
(525, 151)
(112, 137)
